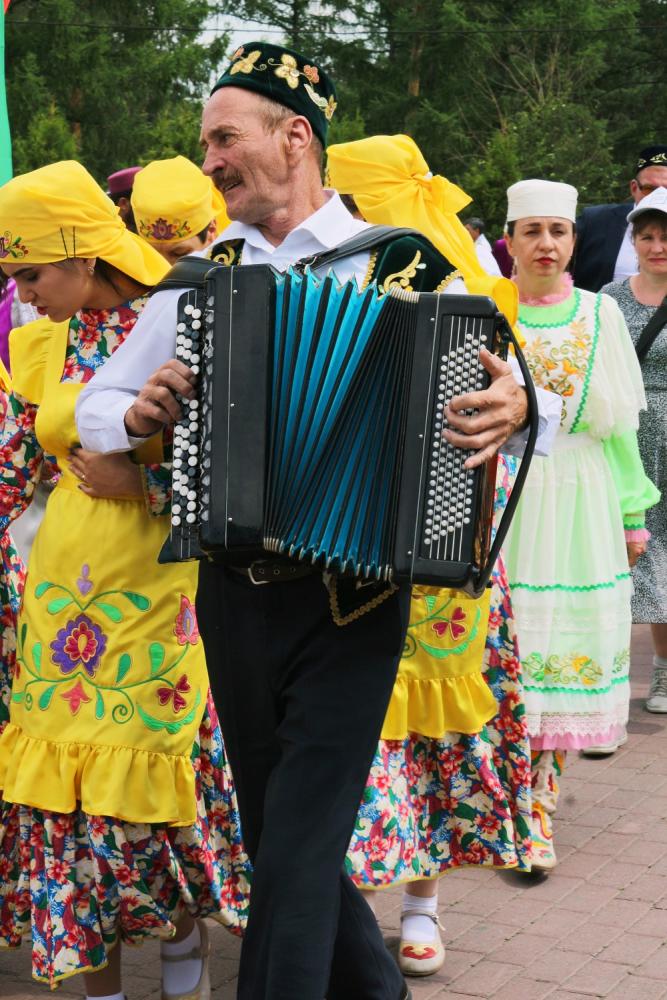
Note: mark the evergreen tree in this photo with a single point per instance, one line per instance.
(109, 72)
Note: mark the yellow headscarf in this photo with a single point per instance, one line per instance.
(390, 181)
(172, 200)
(59, 211)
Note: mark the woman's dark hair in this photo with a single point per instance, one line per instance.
(509, 228)
(106, 271)
(202, 235)
(651, 217)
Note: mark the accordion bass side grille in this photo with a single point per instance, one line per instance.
(448, 509)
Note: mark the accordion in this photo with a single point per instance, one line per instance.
(316, 432)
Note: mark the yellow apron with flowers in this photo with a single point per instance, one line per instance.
(440, 687)
(111, 680)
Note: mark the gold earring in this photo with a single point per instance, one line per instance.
(91, 269)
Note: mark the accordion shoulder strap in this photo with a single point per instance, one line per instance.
(188, 272)
(368, 239)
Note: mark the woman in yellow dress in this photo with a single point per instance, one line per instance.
(450, 782)
(118, 820)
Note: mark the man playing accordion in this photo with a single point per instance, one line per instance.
(301, 700)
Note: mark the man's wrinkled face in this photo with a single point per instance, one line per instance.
(248, 163)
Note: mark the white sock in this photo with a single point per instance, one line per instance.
(109, 996)
(414, 926)
(181, 977)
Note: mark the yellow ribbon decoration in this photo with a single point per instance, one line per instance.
(58, 212)
(391, 184)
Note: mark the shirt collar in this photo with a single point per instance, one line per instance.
(330, 225)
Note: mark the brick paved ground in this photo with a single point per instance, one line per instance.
(595, 928)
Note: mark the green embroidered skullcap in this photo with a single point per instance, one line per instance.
(284, 76)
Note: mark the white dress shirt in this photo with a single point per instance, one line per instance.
(104, 401)
(626, 262)
(485, 256)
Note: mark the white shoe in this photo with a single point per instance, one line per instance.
(604, 749)
(202, 991)
(421, 958)
(657, 696)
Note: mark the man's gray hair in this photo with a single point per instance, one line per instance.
(476, 223)
(274, 114)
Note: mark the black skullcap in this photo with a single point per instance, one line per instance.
(284, 76)
(652, 156)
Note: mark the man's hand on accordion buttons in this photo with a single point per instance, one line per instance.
(157, 403)
(502, 411)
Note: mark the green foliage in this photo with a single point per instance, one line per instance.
(497, 90)
(492, 91)
(121, 76)
(47, 137)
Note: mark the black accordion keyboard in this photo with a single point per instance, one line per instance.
(317, 431)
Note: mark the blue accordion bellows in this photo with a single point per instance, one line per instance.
(317, 431)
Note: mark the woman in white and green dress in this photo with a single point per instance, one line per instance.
(580, 522)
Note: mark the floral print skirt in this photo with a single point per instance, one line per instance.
(435, 804)
(80, 883)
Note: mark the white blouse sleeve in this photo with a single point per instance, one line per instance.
(103, 403)
(615, 391)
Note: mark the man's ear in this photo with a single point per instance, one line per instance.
(299, 135)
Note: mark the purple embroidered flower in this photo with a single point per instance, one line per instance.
(185, 627)
(80, 644)
(84, 583)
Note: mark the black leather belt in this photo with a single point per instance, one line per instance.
(273, 571)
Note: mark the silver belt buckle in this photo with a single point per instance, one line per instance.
(251, 577)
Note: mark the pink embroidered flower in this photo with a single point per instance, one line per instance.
(80, 644)
(162, 230)
(456, 625)
(76, 696)
(311, 73)
(185, 626)
(175, 694)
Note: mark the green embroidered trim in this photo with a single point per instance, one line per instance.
(589, 367)
(568, 690)
(632, 526)
(517, 585)
(557, 322)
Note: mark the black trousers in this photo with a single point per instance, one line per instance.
(301, 704)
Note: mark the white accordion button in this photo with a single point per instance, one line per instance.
(189, 309)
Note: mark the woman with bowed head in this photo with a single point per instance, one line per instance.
(177, 209)
(118, 821)
(642, 299)
(450, 782)
(575, 533)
